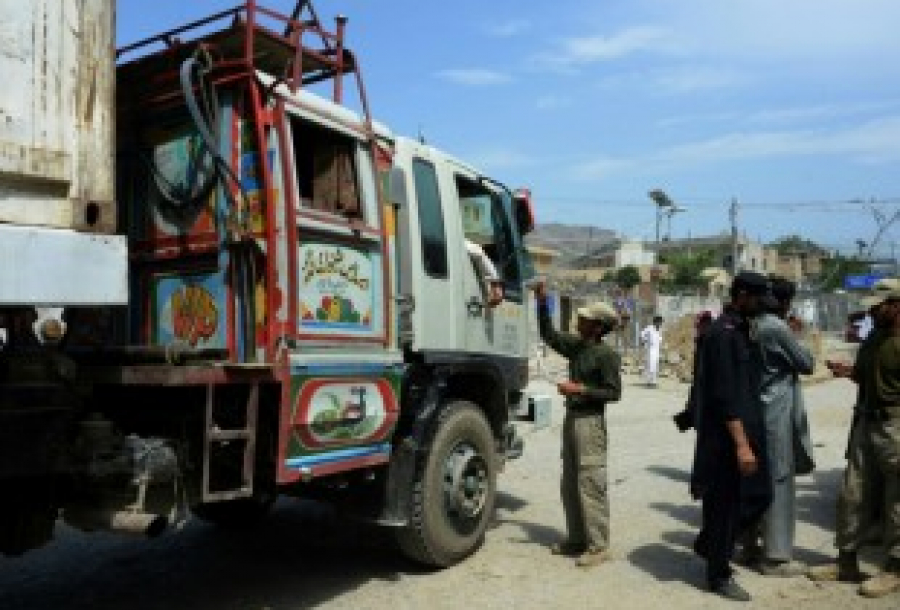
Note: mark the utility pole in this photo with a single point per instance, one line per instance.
(732, 214)
(893, 266)
(883, 222)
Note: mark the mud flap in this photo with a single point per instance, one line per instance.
(399, 486)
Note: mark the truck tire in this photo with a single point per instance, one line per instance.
(454, 489)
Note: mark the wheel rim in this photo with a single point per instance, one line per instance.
(466, 482)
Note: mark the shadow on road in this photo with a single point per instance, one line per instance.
(689, 514)
(817, 497)
(535, 533)
(676, 474)
(301, 556)
(668, 564)
(509, 502)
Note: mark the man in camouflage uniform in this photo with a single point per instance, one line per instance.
(594, 380)
(872, 475)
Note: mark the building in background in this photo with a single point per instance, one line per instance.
(543, 259)
(750, 253)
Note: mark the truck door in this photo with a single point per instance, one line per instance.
(434, 267)
(486, 216)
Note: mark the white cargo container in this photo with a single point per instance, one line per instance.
(57, 60)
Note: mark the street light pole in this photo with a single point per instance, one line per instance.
(662, 202)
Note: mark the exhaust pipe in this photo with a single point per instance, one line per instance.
(134, 523)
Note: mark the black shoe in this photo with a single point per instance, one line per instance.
(730, 590)
(699, 547)
(684, 420)
(568, 549)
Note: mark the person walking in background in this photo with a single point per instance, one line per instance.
(730, 472)
(594, 380)
(780, 358)
(651, 339)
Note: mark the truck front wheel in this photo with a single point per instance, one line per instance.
(455, 488)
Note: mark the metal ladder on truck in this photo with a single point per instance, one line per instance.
(220, 438)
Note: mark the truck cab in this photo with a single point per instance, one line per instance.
(448, 203)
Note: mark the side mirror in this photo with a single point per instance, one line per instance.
(397, 187)
(522, 211)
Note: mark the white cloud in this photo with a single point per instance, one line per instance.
(876, 141)
(508, 29)
(799, 114)
(582, 50)
(698, 118)
(690, 79)
(603, 167)
(770, 29)
(474, 76)
(777, 37)
(598, 48)
(550, 102)
(790, 115)
(676, 80)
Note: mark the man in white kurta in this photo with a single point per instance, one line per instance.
(651, 339)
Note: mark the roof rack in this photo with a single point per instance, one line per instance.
(296, 49)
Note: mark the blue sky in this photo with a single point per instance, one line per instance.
(790, 106)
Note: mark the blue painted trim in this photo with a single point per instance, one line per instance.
(339, 455)
(336, 326)
(346, 369)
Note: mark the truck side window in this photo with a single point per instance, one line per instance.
(431, 219)
(485, 222)
(506, 250)
(326, 172)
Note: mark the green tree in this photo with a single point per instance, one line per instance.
(686, 268)
(834, 270)
(627, 277)
(795, 243)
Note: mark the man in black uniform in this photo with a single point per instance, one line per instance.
(730, 472)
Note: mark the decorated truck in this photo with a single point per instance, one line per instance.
(222, 284)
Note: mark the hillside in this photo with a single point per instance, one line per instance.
(569, 240)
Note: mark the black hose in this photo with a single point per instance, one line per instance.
(244, 269)
(209, 136)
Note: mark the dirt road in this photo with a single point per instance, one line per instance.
(303, 557)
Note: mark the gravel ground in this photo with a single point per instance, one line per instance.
(305, 557)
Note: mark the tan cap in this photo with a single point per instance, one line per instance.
(888, 289)
(886, 284)
(598, 311)
(868, 302)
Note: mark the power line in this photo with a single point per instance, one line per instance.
(830, 204)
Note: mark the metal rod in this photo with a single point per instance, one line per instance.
(190, 26)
